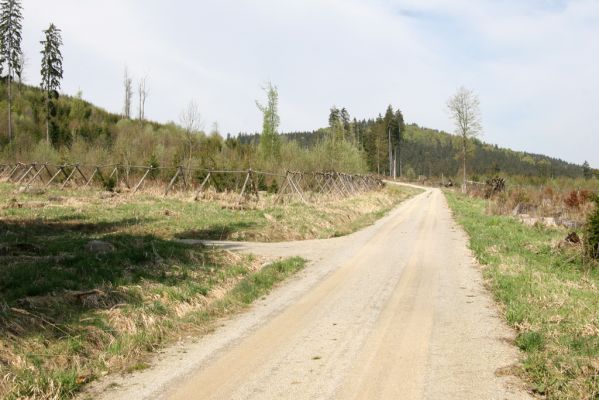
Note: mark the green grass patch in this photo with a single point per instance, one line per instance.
(68, 315)
(547, 293)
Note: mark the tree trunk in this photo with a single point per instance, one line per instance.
(9, 106)
(390, 151)
(464, 155)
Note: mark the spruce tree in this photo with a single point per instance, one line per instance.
(587, 173)
(51, 71)
(11, 18)
(401, 126)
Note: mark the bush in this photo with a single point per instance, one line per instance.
(109, 184)
(592, 232)
(273, 187)
(155, 164)
(576, 198)
(262, 186)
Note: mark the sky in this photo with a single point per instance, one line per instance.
(533, 63)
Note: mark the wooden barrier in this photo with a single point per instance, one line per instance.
(292, 186)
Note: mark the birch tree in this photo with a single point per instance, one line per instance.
(142, 92)
(464, 108)
(191, 120)
(269, 140)
(128, 86)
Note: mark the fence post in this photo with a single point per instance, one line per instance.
(168, 188)
(142, 179)
(24, 175)
(68, 179)
(201, 188)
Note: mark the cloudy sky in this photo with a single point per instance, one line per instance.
(534, 63)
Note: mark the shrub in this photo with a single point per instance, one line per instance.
(592, 232)
(519, 196)
(109, 184)
(273, 187)
(576, 198)
(262, 185)
(155, 164)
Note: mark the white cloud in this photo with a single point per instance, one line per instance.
(532, 62)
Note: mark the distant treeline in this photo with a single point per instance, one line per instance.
(430, 152)
(86, 133)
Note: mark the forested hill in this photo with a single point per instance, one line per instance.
(82, 132)
(430, 152)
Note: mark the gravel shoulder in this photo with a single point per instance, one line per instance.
(395, 310)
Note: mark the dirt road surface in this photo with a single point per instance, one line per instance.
(395, 311)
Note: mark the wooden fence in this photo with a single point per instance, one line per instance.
(293, 185)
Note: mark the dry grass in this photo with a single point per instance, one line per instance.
(548, 293)
(68, 316)
(572, 205)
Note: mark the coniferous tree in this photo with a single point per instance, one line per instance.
(344, 114)
(587, 173)
(401, 126)
(51, 72)
(10, 47)
(390, 129)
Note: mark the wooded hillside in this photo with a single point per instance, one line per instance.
(85, 133)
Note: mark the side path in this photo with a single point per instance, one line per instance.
(396, 310)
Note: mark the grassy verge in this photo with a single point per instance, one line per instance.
(181, 217)
(69, 314)
(51, 348)
(547, 294)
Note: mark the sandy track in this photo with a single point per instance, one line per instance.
(396, 310)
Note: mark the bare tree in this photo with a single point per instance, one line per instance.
(191, 121)
(128, 85)
(464, 108)
(142, 92)
(23, 62)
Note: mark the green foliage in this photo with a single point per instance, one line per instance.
(592, 232)
(273, 187)
(154, 164)
(269, 140)
(548, 294)
(11, 56)
(262, 183)
(11, 18)
(109, 184)
(587, 172)
(530, 341)
(51, 72)
(83, 133)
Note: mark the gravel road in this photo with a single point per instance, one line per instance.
(395, 311)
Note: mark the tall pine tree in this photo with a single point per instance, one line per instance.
(11, 18)
(401, 127)
(51, 72)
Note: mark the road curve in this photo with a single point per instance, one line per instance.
(396, 311)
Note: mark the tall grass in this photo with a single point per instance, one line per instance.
(548, 294)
